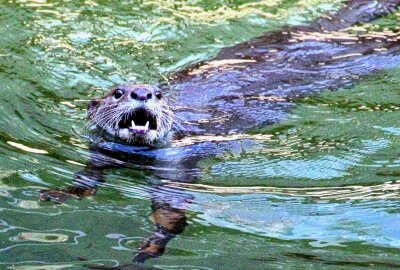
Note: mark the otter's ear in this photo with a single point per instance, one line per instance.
(92, 106)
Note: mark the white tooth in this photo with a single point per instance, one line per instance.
(147, 125)
(133, 123)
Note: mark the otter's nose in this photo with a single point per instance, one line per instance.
(142, 94)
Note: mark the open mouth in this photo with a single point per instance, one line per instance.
(140, 120)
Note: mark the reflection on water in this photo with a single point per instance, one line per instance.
(41, 237)
(323, 167)
(45, 267)
(321, 224)
(388, 190)
(319, 190)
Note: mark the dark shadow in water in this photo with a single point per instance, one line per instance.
(168, 206)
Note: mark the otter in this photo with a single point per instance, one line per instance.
(250, 85)
(254, 83)
(136, 114)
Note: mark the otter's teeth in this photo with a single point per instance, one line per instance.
(139, 128)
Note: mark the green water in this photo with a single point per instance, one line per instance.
(320, 190)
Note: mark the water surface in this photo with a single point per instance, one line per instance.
(319, 190)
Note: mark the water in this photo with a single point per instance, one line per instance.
(319, 190)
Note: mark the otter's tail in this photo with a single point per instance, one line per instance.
(353, 12)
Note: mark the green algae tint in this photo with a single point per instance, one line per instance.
(318, 190)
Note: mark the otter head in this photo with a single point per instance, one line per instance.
(136, 114)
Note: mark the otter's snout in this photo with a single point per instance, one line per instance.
(141, 94)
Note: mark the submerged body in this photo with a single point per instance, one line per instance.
(246, 86)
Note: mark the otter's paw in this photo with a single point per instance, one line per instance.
(55, 195)
(141, 257)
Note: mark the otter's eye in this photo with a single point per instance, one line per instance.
(158, 95)
(118, 94)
